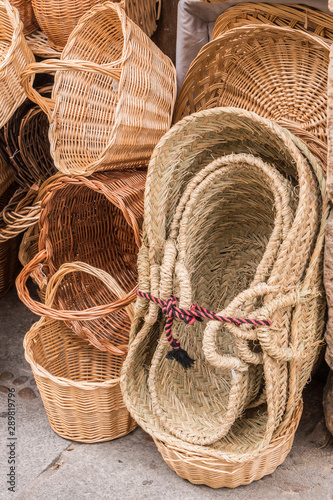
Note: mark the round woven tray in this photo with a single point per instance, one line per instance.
(78, 383)
(113, 95)
(279, 73)
(292, 16)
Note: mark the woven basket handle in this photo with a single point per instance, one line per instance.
(52, 65)
(35, 266)
(21, 212)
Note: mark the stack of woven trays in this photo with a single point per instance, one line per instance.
(111, 101)
(234, 224)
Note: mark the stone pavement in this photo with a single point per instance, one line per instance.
(51, 468)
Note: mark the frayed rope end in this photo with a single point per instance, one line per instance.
(181, 356)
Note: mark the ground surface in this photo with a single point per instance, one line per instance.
(51, 468)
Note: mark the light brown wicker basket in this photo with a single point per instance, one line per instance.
(200, 469)
(27, 15)
(14, 56)
(205, 257)
(102, 216)
(292, 16)
(279, 73)
(113, 95)
(79, 384)
(58, 18)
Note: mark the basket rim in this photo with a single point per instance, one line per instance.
(17, 37)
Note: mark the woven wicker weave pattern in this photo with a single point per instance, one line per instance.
(110, 111)
(14, 56)
(279, 73)
(27, 15)
(296, 17)
(103, 217)
(79, 384)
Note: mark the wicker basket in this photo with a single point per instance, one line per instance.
(102, 217)
(216, 473)
(58, 18)
(14, 55)
(6, 174)
(292, 16)
(191, 253)
(27, 15)
(79, 384)
(113, 95)
(27, 143)
(279, 73)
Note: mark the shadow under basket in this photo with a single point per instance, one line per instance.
(79, 384)
(216, 473)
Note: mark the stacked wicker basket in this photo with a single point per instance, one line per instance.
(234, 222)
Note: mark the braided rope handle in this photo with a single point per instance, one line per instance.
(21, 212)
(92, 313)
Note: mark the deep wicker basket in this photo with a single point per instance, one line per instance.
(14, 56)
(279, 73)
(102, 216)
(27, 143)
(292, 16)
(27, 15)
(196, 248)
(113, 95)
(78, 383)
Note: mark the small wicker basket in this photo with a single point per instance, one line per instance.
(279, 73)
(14, 56)
(79, 384)
(27, 15)
(113, 95)
(93, 224)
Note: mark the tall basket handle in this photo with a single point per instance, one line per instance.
(52, 65)
(62, 314)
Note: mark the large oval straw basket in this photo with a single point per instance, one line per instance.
(292, 16)
(113, 95)
(92, 228)
(279, 73)
(215, 473)
(14, 56)
(27, 143)
(199, 252)
(78, 383)
(27, 15)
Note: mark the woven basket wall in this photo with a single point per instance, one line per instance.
(191, 253)
(102, 217)
(27, 15)
(14, 56)
(120, 102)
(295, 16)
(78, 383)
(279, 73)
